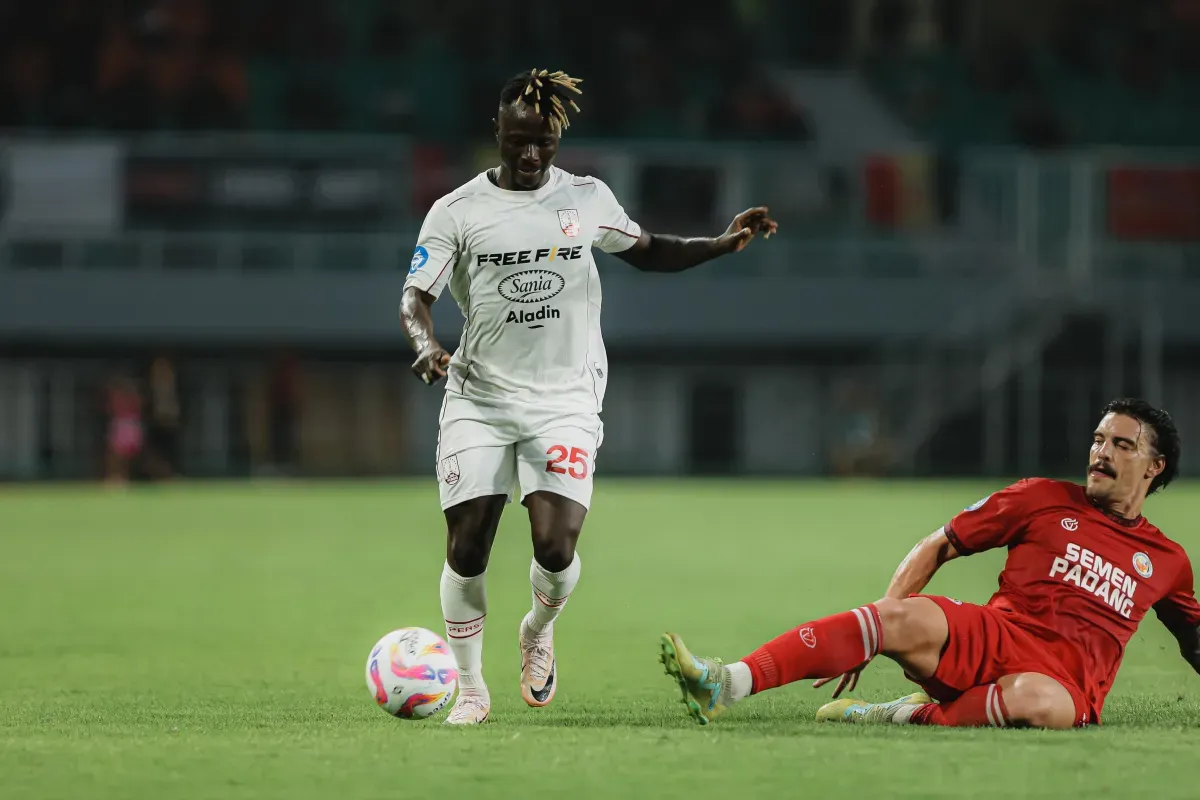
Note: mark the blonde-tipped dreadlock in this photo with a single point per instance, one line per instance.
(554, 85)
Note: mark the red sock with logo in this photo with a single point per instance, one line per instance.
(822, 649)
(980, 707)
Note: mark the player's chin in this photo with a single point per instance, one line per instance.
(530, 179)
(1098, 484)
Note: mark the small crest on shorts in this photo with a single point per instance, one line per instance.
(1142, 565)
(568, 220)
(978, 504)
(449, 470)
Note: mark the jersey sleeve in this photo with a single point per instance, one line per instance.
(997, 520)
(438, 247)
(615, 231)
(1179, 610)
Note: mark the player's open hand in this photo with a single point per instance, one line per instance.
(846, 684)
(746, 226)
(431, 365)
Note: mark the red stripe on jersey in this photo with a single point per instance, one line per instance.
(618, 230)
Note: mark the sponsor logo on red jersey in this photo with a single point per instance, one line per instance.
(1097, 576)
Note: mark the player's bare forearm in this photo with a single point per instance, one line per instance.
(662, 252)
(1189, 646)
(417, 319)
(1184, 631)
(919, 566)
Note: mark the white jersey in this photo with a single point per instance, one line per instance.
(519, 265)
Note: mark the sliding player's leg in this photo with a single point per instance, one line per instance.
(475, 485)
(991, 673)
(911, 632)
(555, 473)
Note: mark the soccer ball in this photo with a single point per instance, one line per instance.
(411, 673)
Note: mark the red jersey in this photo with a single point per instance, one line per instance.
(1086, 576)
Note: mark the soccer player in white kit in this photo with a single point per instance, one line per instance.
(525, 387)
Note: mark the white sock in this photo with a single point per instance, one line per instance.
(464, 607)
(550, 593)
(741, 681)
(903, 715)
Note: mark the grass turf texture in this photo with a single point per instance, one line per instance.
(210, 641)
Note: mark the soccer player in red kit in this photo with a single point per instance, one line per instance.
(1084, 568)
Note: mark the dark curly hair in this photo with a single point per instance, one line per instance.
(1166, 442)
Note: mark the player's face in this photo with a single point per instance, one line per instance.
(528, 144)
(1122, 461)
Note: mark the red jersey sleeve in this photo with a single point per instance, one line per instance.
(997, 520)
(1179, 610)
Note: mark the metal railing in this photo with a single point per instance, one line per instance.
(256, 252)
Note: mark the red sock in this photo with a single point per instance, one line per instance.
(821, 649)
(980, 707)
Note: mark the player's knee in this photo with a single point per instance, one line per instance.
(907, 626)
(554, 552)
(467, 549)
(1039, 705)
(466, 556)
(554, 543)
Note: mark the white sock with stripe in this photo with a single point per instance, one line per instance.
(464, 607)
(551, 590)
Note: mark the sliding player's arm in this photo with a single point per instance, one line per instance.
(920, 565)
(1180, 613)
(430, 268)
(662, 252)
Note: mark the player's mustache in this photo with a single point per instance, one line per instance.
(1101, 466)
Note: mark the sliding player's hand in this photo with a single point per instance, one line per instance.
(846, 684)
(746, 226)
(431, 365)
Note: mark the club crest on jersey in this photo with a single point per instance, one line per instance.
(449, 470)
(1070, 524)
(1142, 565)
(568, 220)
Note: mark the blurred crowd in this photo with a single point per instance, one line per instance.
(1039, 72)
(427, 69)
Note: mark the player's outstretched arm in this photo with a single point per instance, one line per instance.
(417, 321)
(1189, 646)
(1179, 619)
(662, 252)
(920, 565)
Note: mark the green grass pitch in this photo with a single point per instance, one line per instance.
(209, 641)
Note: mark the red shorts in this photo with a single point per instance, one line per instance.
(987, 643)
(125, 437)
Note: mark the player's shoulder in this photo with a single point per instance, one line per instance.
(586, 186)
(1047, 492)
(453, 201)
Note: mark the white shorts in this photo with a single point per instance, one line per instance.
(484, 451)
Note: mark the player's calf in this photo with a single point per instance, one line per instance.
(555, 523)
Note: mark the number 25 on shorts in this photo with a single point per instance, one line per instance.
(576, 458)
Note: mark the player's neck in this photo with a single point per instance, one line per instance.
(1127, 510)
(502, 178)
